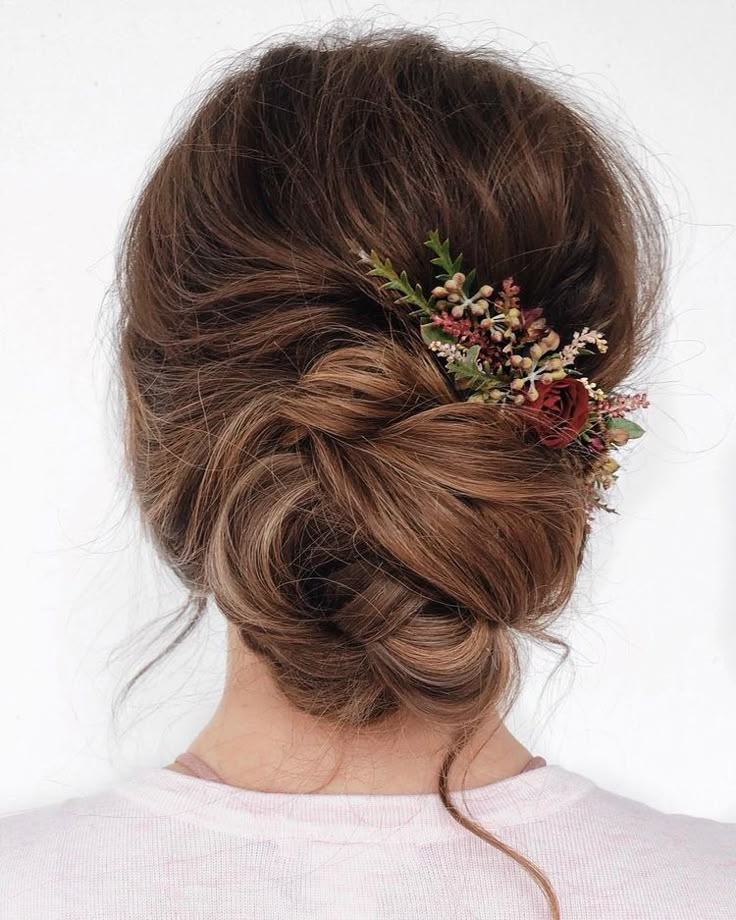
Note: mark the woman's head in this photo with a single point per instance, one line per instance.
(296, 450)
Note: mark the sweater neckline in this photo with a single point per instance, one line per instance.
(516, 800)
(196, 766)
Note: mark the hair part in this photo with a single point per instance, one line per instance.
(295, 450)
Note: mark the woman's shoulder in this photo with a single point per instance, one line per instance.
(85, 847)
(608, 826)
(23, 829)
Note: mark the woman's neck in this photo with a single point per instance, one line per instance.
(257, 740)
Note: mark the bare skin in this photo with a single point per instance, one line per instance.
(257, 740)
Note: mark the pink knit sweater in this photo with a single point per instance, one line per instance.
(163, 845)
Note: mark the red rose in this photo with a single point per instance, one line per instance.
(560, 411)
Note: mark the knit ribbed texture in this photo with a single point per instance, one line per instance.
(162, 845)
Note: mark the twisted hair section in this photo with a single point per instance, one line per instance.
(295, 450)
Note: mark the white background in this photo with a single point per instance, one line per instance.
(90, 90)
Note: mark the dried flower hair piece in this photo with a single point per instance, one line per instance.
(498, 351)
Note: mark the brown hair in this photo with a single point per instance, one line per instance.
(296, 451)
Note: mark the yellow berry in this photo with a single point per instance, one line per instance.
(551, 340)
